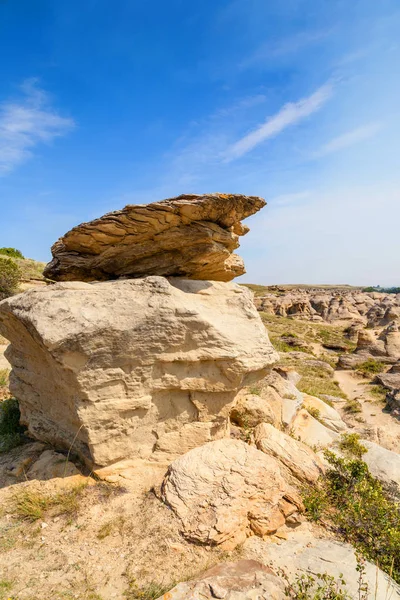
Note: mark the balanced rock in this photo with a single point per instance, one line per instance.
(226, 490)
(132, 368)
(191, 236)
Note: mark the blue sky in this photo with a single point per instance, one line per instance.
(108, 103)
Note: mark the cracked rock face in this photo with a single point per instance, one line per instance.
(143, 368)
(226, 491)
(189, 236)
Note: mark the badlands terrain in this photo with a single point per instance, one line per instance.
(167, 433)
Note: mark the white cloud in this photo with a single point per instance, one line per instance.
(26, 123)
(288, 115)
(350, 138)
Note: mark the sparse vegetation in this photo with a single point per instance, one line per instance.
(350, 444)
(3, 377)
(31, 504)
(314, 412)
(149, 591)
(315, 587)
(379, 392)
(361, 511)
(255, 390)
(352, 406)
(9, 278)
(370, 367)
(11, 432)
(12, 252)
(5, 588)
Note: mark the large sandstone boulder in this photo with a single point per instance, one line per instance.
(305, 553)
(226, 490)
(301, 461)
(132, 368)
(189, 236)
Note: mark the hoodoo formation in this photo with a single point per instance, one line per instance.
(190, 236)
(142, 367)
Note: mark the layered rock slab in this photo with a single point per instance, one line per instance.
(190, 236)
(143, 368)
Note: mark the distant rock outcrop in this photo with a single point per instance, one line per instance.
(374, 309)
(191, 236)
(132, 368)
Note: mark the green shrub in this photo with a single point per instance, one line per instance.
(9, 278)
(350, 445)
(360, 509)
(315, 587)
(11, 432)
(13, 252)
(352, 407)
(370, 367)
(379, 392)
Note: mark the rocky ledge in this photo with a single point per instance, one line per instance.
(191, 236)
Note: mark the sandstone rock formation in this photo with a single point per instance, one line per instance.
(298, 458)
(191, 236)
(241, 580)
(132, 368)
(305, 553)
(227, 490)
(340, 306)
(382, 346)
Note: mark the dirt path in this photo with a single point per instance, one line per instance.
(373, 422)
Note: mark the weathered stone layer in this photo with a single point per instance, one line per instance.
(191, 236)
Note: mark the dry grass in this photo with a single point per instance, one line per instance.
(32, 504)
(4, 374)
(29, 268)
(306, 330)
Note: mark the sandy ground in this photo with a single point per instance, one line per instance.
(374, 422)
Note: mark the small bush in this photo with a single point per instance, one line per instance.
(360, 509)
(12, 252)
(379, 392)
(11, 432)
(350, 444)
(370, 367)
(315, 587)
(314, 412)
(9, 278)
(352, 407)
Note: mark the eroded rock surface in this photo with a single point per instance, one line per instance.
(374, 309)
(226, 490)
(241, 580)
(191, 236)
(132, 368)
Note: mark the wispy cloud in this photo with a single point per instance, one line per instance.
(288, 115)
(26, 123)
(283, 47)
(350, 138)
